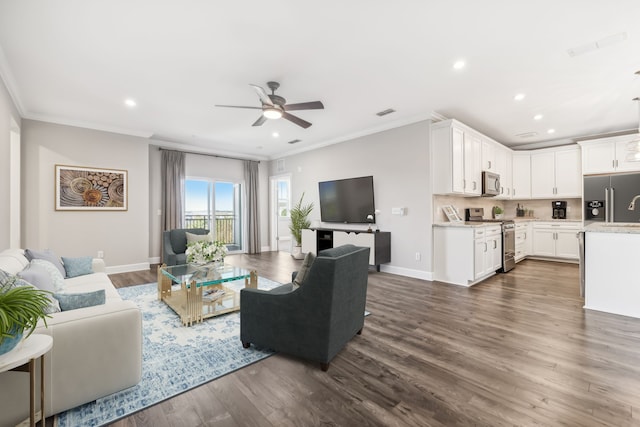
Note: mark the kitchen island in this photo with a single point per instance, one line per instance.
(612, 268)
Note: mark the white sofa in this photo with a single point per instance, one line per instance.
(96, 350)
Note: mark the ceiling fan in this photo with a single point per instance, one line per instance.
(275, 106)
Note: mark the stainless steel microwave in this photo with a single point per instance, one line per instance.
(490, 184)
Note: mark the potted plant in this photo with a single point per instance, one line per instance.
(497, 212)
(203, 252)
(20, 309)
(299, 221)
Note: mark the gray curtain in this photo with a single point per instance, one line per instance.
(172, 175)
(251, 180)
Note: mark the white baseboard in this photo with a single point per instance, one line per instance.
(154, 260)
(127, 268)
(265, 249)
(407, 272)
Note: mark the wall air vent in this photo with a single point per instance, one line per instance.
(527, 135)
(385, 112)
(280, 165)
(295, 141)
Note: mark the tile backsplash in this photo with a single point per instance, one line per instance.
(541, 207)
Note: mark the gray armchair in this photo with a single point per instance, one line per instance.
(174, 244)
(316, 320)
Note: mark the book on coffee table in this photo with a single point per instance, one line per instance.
(212, 294)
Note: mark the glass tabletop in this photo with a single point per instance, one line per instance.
(204, 275)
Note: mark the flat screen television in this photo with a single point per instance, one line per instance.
(347, 200)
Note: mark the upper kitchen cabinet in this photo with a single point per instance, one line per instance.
(503, 161)
(556, 173)
(607, 155)
(456, 159)
(489, 149)
(521, 175)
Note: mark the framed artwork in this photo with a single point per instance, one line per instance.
(90, 189)
(451, 213)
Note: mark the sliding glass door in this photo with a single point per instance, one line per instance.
(217, 206)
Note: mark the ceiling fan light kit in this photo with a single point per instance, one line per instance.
(272, 113)
(275, 106)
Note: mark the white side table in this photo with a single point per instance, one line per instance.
(23, 358)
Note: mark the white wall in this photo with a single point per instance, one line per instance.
(202, 166)
(398, 160)
(122, 235)
(9, 121)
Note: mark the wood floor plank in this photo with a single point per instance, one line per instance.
(517, 349)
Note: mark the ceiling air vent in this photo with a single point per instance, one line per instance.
(527, 134)
(295, 141)
(385, 112)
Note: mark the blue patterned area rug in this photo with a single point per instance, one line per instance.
(175, 358)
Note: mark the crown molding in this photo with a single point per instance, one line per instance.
(87, 125)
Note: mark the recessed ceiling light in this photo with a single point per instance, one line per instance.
(275, 134)
(130, 102)
(519, 97)
(538, 117)
(551, 131)
(459, 65)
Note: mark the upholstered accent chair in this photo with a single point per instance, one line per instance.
(174, 244)
(316, 320)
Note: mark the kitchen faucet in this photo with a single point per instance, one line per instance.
(632, 205)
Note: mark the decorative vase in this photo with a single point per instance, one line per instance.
(8, 344)
(296, 252)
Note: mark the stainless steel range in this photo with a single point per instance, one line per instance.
(508, 236)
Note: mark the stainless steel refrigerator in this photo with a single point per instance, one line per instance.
(615, 195)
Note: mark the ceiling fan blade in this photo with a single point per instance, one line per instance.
(315, 105)
(239, 106)
(260, 121)
(297, 120)
(262, 95)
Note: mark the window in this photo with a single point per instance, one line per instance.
(215, 205)
(284, 203)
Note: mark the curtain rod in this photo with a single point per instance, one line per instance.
(205, 154)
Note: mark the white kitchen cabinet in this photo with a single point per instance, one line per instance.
(472, 164)
(523, 240)
(493, 260)
(607, 155)
(503, 159)
(556, 173)
(488, 250)
(489, 149)
(555, 240)
(521, 175)
(456, 159)
(465, 255)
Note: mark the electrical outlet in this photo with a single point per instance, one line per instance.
(100, 254)
(418, 256)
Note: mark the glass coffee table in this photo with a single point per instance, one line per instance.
(202, 292)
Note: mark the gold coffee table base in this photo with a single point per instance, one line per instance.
(191, 302)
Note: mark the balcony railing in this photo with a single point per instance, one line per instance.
(225, 225)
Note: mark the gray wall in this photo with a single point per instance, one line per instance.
(8, 116)
(202, 166)
(398, 160)
(122, 235)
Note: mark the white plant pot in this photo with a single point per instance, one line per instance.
(296, 252)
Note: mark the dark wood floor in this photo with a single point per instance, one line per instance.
(517, 349)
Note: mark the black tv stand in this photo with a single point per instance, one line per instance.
(379, 242)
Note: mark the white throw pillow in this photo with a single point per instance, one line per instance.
(198, 237)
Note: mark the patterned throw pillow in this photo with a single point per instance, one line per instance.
(191, 237)
(304, 269)
(46, 255)
(78, 266)
(80, 300)
(8, 281)
(56, 277)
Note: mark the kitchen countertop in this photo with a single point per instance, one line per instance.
(620, 227)
(464, 224)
